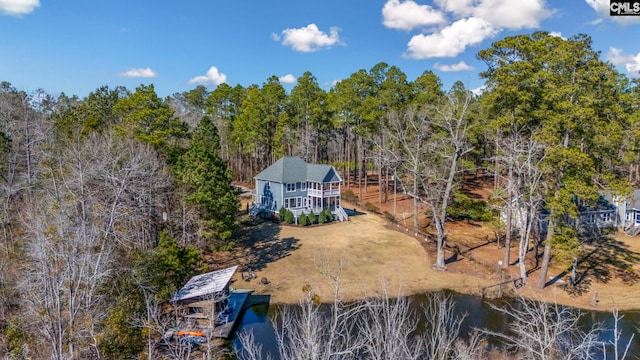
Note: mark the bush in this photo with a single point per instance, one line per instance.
(322, 218)
(286, 216)
(462, 207)
(370, 207)
(313, 219)
(349, 196)
(303, 220)
(328, 216)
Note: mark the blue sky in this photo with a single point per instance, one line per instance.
(75, 46)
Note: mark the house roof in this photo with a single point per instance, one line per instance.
(294, 169)
(205, 284)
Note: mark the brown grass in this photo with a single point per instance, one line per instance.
(368, 252)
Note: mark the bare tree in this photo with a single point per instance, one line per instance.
(531, 154)
(442, 326)
(618, 353)
(381, 328)
(88, 201)
(521, 155)
(544, 331)
(387, 327)
(428, 147)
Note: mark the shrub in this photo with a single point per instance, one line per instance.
(303, 220)
(286, 216)
(462, 207)
(370, 207)
(313, 219)
(349, 196)
(327, 215)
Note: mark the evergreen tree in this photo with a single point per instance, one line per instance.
(208, 182)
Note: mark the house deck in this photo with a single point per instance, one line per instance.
(237, 300)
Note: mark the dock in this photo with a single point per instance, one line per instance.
(205, 323)
(237, 300)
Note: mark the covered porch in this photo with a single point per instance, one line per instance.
(322, 196)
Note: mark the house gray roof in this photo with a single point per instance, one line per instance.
(205, 284)
(294, 169)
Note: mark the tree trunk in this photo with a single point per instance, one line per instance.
(524, 242)
(574, 269)
(546, 259)
(380, 178)
(496, 168)
(509, 227)
(415, 204)
(359, 167)
(441, 243)
(365, 170)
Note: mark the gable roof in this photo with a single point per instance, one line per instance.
(291, 169)
(322, 173)
(205, 284)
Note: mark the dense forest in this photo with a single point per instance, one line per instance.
(109, 201)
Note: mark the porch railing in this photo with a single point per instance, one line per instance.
(341, 214)
(323, 193)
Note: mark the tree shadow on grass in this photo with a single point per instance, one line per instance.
(604, 260)
(260, 245)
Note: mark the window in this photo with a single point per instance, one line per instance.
(291, 187)
(304, 186)
(305, 202)
(591, 218)
(606, 217)
(299, 202)
(298, 186)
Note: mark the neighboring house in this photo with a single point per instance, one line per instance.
(628, 212)
(299, 187)
(601, 215)
(609, 211)
(604, 214)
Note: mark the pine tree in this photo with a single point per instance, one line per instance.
(208, 182)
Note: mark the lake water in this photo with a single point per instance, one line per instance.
(480, 314)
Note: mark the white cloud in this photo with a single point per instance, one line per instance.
(287, 79)
(450, 41)
(526, 14)
(631, 63)
(473, 22)
(461, 66)
(213, 76)
(479, 90)
(597, 21)
(557, 34)
(601, 7)
(18, 7)
(308, 38)
(408, 15)
(461, 8)
(139, 73)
